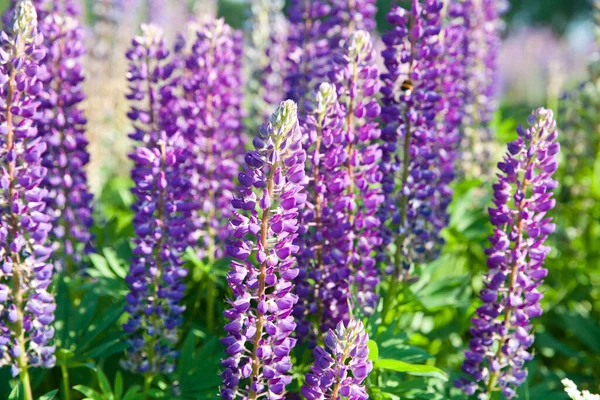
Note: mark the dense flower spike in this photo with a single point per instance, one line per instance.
(63, 128)
(162, 211)
(264, 227)
(212, 115)
(484, 23)
(26, 305)
(502, 331)
(341, 367)
(324, 224)
(411, 101)
(357, 81)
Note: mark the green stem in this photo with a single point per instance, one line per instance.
(26, 382)
(148, 378)
(66, 387)
(210, 305)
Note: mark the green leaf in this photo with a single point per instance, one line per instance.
(109, 318)
(373, 351)
(133, 393)
(113, 261)
(17, 392)
(49, 395)
(101, 266)
(104, 385)
(411, 369)
(90, 393)
(118, 385)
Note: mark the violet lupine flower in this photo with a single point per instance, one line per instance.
(502, 330)
(211, 56)
(341, 366)
(264, 227)
(62, 125)
(162, 211)
(324, 224)
(26, 305)
(357, 81)
(410, 105)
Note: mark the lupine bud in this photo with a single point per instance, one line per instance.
(410, 161)
(341, 365)
(211, 108)
(26, 305)
(264, 226)
(162, 210)
(62, 125)
(502, 330)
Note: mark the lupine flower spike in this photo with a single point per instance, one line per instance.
(502, 330)
(409, 164)
(341, 366)
(211, 107)
(63, 128)
(264, 227)
(162, 211)
(26, 305)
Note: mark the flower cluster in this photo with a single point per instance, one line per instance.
(410, 150)
(573, 392)
(62, 125)
(323, 223)
(341, 367)
(340, 229)
(264, 226)
(522, 197)
(26, 305)
(162, 209)
(210, 58)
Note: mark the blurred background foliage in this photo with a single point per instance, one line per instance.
(547, 60)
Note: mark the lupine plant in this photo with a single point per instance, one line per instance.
(502, 330)
(62, 126)
(304, 201)
(26, 304)
(162, 210)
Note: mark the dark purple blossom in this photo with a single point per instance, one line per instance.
(340, 366)
(62, 126)
(26, 305)
(411, 103)
(264, 227)
(211, 108)
(502, 330)
(162, 209)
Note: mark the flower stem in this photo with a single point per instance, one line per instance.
(66, 386)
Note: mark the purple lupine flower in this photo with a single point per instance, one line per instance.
(484, 23)
(62, 126)
(322, 222)
(341, 366)
(211, 56)
(26, 305)
(410, 107)
(357, 81)
(264, 227)
(162, 211)
(522, 197)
